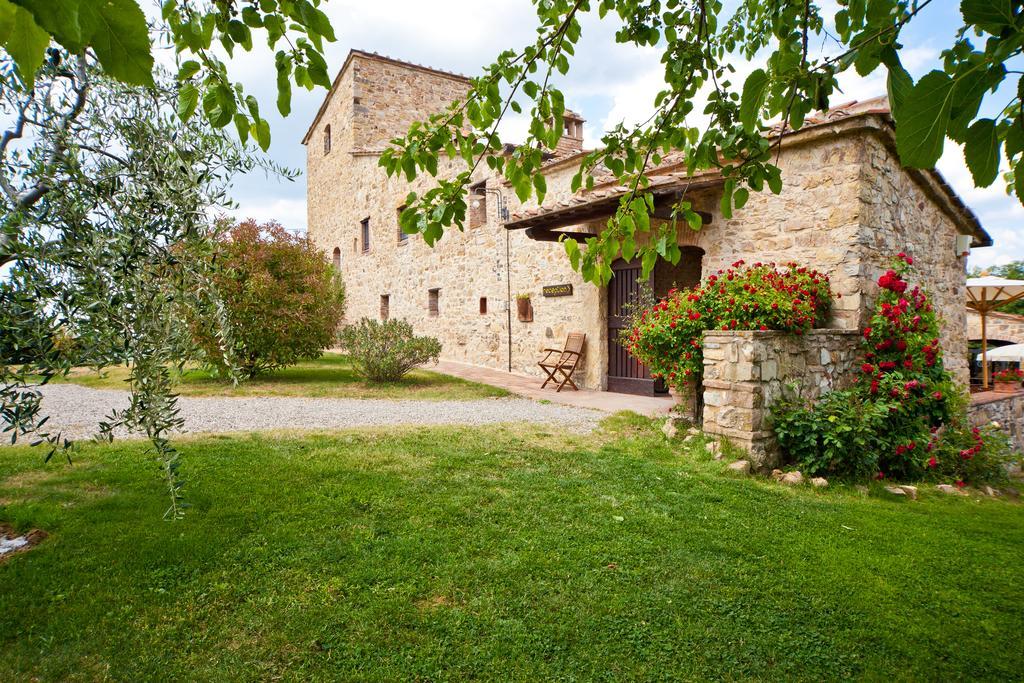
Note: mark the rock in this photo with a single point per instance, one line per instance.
(895, 490)
(989, 491)
(861, 489)
(741, 466)
(949, 490)
(693, 431)
(792, 478)
(777, 474)
(1011, 492)
(819, 482)
(669, 430)
(715, 449)
(911, 491)
(688, 438)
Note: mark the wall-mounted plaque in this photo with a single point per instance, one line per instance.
(557, 290)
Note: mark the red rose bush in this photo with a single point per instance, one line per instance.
(668, 336)
(904, 418)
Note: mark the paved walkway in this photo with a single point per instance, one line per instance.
(525, 385)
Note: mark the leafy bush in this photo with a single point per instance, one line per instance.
(386, 351)
(978, 455)
(904, 416)
(282, 300)
(839, 435)
(667, 337)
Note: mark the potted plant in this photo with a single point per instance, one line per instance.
(524, 308)
(1008, 380)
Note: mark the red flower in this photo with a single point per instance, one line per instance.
(960, 483)
(932, 462)
(867, 368)
(880, 475)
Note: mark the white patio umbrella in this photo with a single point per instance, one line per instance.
(985, 294)
(1014, 353)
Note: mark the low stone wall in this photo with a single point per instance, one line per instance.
(1006, 410)
(745, 372)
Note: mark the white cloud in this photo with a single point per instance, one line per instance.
(289, 212)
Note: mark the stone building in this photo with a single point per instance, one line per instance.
(846, 208)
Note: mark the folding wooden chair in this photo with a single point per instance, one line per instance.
(565, 361)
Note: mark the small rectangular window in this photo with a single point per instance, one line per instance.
(483, 305)
(327, 139)
(365, 228)
(403, 236)
(478, 204)
(433, 301)
(385, 306)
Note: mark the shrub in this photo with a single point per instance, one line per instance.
(667, 337)
(903, 417)
(386, 351)
(282, 299)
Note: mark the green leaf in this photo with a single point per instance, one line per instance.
(899, 84)
(540, 185)
(1018, 181)
(921, 128)
(59, 18)
(7, 11)
(987, 12)
(117, 31)
(981, 152)
(188, 69)
(188, 100)
(261, 131)
(26, 44)
(754, 90)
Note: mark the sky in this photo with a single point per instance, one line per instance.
(608, 83)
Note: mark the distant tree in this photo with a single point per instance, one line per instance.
(282, 298)
(1013, 271)
(804, 47)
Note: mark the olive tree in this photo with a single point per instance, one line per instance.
(106, 234)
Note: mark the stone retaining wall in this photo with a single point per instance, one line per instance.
(745, 372)
(1007, 411)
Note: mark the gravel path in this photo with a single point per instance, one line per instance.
(77, 410)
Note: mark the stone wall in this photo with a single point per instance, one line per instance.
(1007, 411)
(347, 186)
(745, 372)
(900, 214)
(1004, 327)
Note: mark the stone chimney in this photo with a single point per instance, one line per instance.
(572, 135)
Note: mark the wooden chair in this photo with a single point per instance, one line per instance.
(564, 362)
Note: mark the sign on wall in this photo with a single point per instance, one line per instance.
(557, 290)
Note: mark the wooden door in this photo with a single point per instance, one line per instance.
(625, 373)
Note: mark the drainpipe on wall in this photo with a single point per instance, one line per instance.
(503, 217)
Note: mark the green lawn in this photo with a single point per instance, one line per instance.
(494, 554)
(330, 376)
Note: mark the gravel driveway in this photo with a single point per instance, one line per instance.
(77, 410)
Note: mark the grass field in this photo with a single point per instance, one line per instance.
(494, 554)
(330, 376)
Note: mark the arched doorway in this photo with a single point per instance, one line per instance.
(625, 373)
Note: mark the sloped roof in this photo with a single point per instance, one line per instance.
(671, 175)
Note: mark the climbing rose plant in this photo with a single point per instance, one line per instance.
(904, 418)
(668, 337)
